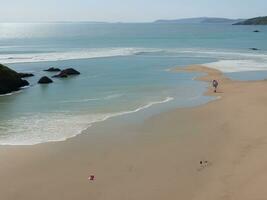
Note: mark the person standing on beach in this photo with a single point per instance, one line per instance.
(215, 85)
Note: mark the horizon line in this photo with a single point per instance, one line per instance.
(116, 22)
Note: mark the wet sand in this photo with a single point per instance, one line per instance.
(214, 151)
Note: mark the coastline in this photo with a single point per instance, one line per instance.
(158, 159)
(88, 126)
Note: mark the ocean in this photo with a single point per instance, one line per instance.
(125, 69)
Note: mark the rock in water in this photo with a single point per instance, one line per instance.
(45, 80)
(67, 72)
(25, 75)
(10, 80)
(52, 69)
(256, 31)
(61, 75)
(254, 49)
(71, 71)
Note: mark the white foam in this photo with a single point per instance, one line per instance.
(239, 65)
(233, 61)
(15, 92)
(221, 53)
(11, 93)
(71, 55)
(228, 60)
(47, 127)
(93, 99)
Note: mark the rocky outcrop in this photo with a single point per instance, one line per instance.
(200, 20)
(67, 72)
(256, 31)
(45, 80)
(10, 80)
(254, 21)
(25, 75)
(52, 69)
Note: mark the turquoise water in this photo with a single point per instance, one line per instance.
(124, 68)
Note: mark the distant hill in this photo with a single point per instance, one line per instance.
(201, 20)
(254, 21)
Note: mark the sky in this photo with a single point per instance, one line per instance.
(126, 10)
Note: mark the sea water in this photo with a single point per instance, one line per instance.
(125, 68)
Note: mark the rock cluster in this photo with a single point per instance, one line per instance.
(11, 81)
(67, 72)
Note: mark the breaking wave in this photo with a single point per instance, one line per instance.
(226, 60)
(38, 128)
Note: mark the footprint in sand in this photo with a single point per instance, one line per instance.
(204, 164)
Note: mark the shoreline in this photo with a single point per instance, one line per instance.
(92, 123)
(158, 159)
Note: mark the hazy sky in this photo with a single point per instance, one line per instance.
(126, 10)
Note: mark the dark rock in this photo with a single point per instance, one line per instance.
(61, 75)
(25, 75)
(256, 31)
(10, 80)
(71, 71)
(45, 80)
(67, 72)
(254, 49)
(52, 69)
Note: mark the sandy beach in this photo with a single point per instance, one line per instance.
(211, 152)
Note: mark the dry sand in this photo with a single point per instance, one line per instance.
(159, 159)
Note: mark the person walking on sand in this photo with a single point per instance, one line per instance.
(215, 85)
